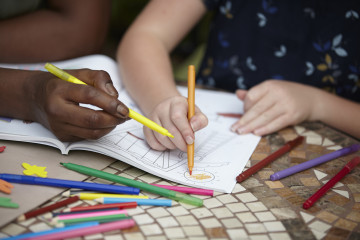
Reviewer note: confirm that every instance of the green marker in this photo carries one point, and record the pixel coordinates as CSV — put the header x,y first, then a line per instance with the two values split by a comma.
x,y
99,219
6,202
178,196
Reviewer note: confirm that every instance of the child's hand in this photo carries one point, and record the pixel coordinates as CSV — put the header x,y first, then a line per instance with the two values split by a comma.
x,y
172,115
57,105
274,104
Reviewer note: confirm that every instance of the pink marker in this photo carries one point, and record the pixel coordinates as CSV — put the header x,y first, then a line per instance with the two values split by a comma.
x,y
90,214
105,227
187,190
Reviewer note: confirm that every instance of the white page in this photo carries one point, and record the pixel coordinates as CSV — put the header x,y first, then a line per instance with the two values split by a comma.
x,y
220,155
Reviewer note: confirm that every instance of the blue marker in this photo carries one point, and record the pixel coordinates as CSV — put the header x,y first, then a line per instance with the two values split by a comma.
x,y
55,230
14,178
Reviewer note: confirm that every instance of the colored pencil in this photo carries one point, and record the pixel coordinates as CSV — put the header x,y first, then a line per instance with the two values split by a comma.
x,y
272,157
49,208
342,173
102,207
191,113
150,202
232,115
54,182
105,227
314,162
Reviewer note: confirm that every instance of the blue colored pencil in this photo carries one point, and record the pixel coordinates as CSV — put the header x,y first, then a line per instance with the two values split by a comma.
x,y
14,178
140,201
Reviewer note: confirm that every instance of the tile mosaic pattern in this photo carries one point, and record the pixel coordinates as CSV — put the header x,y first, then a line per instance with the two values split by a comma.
x,y
257,208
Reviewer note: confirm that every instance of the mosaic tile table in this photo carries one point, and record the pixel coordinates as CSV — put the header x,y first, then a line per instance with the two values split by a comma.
x,y
257,208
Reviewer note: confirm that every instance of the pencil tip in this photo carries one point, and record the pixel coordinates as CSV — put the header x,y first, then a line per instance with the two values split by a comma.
x,y
62,163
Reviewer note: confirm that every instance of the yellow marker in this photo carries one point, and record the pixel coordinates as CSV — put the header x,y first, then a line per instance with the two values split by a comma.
x,y
91,196
132,114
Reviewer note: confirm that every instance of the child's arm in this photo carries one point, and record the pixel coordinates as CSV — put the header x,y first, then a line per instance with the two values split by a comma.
x,y
63,29
273,105
41,97
145,66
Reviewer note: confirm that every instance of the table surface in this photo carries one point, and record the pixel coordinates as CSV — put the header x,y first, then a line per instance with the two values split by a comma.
x,y
257,208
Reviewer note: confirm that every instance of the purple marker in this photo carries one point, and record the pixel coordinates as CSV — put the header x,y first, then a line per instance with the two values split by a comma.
x,y
314,162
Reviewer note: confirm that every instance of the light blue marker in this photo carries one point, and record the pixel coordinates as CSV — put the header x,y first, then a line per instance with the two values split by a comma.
x,y
140,201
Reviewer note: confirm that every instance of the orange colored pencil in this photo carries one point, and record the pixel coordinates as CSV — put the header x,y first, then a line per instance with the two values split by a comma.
x,y
191,112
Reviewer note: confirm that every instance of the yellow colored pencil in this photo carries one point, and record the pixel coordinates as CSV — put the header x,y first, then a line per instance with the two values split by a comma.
x,y
191,113
132,114
91,196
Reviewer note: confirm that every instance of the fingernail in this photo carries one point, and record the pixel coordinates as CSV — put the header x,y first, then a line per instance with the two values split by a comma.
x,y
189,140
240,130
110,89
194,125
123,111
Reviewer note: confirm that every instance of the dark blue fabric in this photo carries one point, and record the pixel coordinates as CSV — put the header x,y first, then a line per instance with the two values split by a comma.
x,y
315,42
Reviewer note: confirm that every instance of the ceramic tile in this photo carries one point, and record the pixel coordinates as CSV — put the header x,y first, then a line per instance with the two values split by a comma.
x,y
345,224
226,198
256,206
280,236
94,236
265,216
342,192
212,203
260,237
231,223
246,217
193,231
283,213
201,212
188,220
168,222
310,182
319,175
274,184
158,212
174,233
327,216
113,237
320,226
151,229
274,226
237,207
265,174
148,178
222,212
178,211
210,223
143,219
13,229
353,216
237,234
133,236
255,228
246,197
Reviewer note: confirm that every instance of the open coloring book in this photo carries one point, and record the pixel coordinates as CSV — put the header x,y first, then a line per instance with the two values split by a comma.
x,y
220,155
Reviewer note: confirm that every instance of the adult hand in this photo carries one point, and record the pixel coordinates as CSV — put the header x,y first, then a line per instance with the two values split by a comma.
x,y
275,104
172,115
56,105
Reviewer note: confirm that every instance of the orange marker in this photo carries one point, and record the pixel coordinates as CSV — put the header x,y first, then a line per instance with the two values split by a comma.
x,y
191,112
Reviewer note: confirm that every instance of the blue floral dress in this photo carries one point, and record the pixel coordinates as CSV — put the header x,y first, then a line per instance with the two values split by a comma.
x,y
314,42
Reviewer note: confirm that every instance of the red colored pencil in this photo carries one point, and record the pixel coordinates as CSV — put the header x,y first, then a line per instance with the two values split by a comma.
x,y
103,206
47,208
342,173
284,149
232,115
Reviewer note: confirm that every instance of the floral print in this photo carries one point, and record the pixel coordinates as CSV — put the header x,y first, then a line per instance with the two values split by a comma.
x,y
315,42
